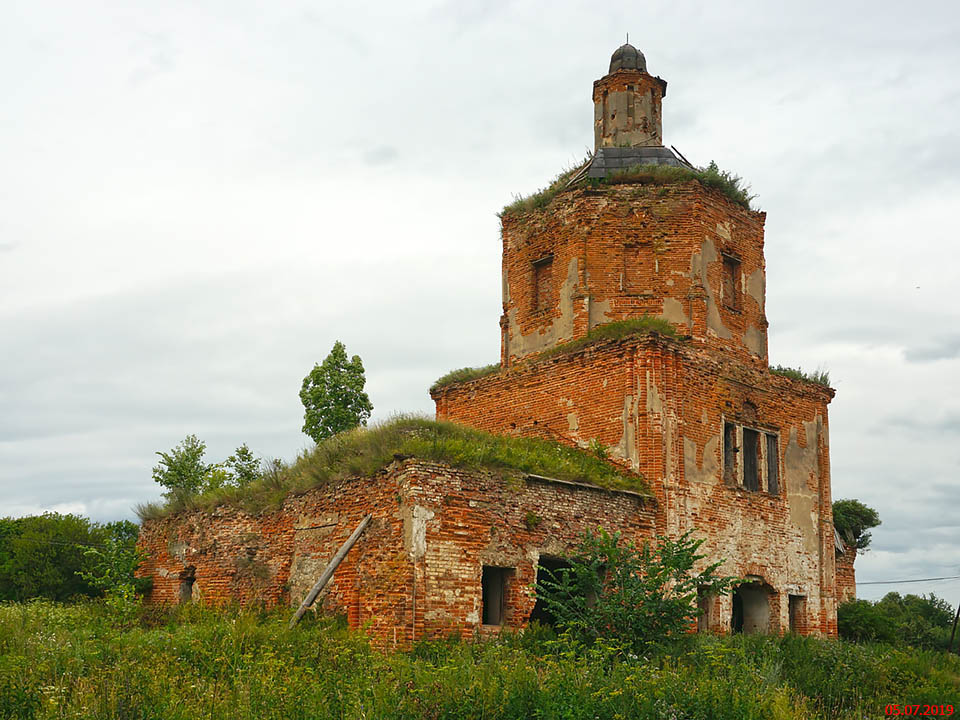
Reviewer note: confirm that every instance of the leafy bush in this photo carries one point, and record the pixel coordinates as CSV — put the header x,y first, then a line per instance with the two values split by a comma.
x,y
637,596
183,471
914,620
818,377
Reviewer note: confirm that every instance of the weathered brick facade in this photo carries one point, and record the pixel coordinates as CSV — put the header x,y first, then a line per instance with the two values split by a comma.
x,y
416,571
731,450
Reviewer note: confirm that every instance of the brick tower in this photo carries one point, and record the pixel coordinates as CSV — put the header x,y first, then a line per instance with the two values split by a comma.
x,y
636,238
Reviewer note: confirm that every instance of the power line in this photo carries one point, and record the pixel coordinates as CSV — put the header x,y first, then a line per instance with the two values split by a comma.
x,y
898,582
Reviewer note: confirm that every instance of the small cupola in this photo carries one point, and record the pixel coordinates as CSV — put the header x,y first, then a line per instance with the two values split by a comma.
x,y
627,57
627,125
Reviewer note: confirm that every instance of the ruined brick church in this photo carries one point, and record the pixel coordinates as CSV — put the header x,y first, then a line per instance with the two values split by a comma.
x,y
729,449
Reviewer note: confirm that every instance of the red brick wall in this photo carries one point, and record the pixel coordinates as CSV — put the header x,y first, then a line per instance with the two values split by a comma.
x,y
846,576
627,250
659,406
416,571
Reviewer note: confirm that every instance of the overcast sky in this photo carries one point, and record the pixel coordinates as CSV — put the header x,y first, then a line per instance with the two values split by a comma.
x,y
198,198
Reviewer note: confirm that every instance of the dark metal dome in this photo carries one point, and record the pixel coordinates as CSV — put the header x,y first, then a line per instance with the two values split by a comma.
x,y
627,57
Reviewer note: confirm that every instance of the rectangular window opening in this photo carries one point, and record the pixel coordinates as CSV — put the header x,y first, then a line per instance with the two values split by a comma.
x,y
773,465
751,459
731,278
798,612
494,591
730,453
704,608
187,578
543,283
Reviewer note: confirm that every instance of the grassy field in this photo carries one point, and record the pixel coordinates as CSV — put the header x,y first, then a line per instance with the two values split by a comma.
x,y
73,661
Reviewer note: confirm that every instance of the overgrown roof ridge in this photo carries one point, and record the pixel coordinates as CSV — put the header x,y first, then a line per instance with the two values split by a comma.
x,y
730,184
363,452
643,325
818,377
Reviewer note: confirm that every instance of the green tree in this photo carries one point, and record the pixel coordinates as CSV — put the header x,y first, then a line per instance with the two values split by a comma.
x,y
616,590
41,556
333,397
184,472
111,568
853,520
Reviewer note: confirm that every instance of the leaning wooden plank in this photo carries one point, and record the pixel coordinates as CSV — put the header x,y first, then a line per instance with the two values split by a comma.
x,y
328,572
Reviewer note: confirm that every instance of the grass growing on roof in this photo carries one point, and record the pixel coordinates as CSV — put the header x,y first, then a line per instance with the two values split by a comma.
x,y
465,375
730,184
365,451
614,331
818,376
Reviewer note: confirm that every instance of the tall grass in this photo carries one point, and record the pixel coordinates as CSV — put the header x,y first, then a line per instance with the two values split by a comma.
x,y
363,452
71,662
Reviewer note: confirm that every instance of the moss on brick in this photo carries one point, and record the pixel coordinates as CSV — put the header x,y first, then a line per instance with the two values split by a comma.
x,y
364,452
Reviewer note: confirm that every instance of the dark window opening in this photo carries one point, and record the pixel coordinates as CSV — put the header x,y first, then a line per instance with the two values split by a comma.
x,y
494,584
773,465
730,453
704,607
542,283
751,609
187,579
798,611
550,568
751,459
731,278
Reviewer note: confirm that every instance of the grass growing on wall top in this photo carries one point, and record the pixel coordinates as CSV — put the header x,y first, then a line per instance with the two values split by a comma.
x,y
464,375
730,184
819,377
614,331
363,452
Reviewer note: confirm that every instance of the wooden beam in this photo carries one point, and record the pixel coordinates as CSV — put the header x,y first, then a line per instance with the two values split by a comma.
x,y
328,572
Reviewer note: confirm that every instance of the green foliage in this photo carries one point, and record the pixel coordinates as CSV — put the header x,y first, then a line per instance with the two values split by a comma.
x,y
642,325
636,596
818,376
333,397
73,661
731,185
362,452
111,568
542,197
914,620
853,520
43,556
184,472
464,375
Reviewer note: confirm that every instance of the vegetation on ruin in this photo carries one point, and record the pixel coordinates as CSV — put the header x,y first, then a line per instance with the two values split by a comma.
x,y
643,325
729,184
818,376
629,594
73,661
363,452
854,520
464,375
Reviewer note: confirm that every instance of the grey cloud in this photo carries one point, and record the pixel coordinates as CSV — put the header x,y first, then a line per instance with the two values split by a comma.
x,y
944,348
